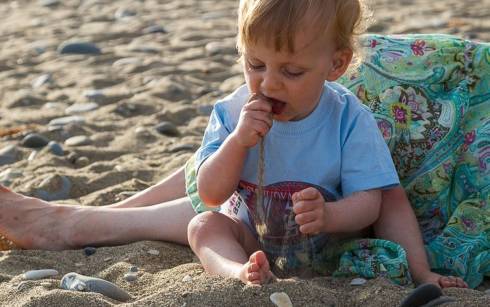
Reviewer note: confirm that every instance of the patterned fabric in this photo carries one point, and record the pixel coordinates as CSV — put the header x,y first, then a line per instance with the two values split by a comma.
x,y
431,99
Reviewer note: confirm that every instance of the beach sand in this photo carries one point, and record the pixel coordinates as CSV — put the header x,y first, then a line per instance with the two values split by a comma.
x,y
162,63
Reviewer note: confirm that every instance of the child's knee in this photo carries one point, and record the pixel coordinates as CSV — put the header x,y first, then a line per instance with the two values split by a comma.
x,y
204,224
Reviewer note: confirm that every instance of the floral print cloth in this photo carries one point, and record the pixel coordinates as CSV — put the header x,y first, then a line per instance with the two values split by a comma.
x,y
430,95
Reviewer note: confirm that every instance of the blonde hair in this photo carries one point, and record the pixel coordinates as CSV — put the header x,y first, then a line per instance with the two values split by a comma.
x,y
277,21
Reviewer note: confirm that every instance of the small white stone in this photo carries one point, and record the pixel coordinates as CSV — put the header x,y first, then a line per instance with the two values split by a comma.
x,y
281,299
487,292
107,259
187,278
78,264
46,284
153,252
39,274
130,276
358,282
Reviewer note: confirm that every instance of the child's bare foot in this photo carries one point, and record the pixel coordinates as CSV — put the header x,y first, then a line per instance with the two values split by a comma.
x,y
444,281
256,271
32,223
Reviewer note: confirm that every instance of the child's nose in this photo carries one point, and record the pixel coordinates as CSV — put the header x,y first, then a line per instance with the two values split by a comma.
x,y
270,82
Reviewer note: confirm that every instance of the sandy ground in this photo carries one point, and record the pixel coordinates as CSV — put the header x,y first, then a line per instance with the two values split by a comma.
x,y
141,80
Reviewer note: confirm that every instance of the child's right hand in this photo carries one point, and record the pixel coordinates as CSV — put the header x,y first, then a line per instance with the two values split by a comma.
x,y
255,121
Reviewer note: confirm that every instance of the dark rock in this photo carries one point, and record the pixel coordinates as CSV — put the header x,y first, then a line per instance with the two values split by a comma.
x,y
421,295
89,250
167,128
154,29
56,148
9,154
78,48
34,140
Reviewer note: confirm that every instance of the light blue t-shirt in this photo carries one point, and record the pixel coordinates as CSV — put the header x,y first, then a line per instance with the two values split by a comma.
x,y
337,149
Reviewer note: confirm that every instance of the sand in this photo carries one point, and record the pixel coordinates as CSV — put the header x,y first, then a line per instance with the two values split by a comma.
x,y
140,80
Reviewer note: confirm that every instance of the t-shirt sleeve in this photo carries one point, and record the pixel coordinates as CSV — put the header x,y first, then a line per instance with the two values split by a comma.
x,y
215,134
366,159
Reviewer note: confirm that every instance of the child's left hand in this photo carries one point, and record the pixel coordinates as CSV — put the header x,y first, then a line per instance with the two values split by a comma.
x,y
309,207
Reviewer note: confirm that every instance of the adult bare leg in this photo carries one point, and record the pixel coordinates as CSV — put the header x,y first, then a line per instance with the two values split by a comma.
x,y
32,223
396,211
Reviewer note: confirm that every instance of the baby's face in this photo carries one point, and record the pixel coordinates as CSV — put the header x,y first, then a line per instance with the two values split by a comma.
x,y
296,79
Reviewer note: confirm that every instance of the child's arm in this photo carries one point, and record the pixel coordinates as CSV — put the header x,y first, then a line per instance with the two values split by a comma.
x,y
350,214
219,175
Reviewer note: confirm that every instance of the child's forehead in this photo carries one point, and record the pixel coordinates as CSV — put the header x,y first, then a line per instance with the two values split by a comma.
x,y
305,42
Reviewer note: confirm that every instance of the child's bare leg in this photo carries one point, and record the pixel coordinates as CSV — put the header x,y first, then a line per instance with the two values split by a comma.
x,y
396,211
227,248
32,223
169,188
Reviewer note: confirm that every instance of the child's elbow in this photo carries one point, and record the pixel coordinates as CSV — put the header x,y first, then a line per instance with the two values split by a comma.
x,y
209,201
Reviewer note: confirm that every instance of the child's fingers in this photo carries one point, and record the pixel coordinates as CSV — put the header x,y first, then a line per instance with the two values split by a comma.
x,y
259,105
306,217
310,228
306,194
262,116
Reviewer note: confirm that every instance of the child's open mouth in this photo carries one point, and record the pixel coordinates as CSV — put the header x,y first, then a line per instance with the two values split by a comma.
x,y
277,105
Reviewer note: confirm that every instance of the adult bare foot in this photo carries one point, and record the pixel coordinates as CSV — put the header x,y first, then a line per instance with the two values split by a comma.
x,y
256,271
444,281
32,223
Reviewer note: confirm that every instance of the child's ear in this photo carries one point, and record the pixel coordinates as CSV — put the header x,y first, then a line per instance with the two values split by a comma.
x,y
340,63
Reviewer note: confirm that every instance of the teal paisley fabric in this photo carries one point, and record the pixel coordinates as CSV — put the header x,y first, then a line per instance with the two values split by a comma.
x,y
430,95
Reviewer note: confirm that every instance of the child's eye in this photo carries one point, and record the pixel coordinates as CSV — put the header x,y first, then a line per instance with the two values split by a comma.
x,y
293,74
255,66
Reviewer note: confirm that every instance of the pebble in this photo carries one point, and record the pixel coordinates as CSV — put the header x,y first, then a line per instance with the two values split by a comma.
x,y
281,299
74,47
358,282
62,121
107,259
9,154
79,140
421,295
39,274
130,277
79,264
167,128
53,105
153,252
22,285
133,269
205,109
34,140
182,147
46,284
89,250
32,155
55,187
56,148
94,95
78,282
122,13
187,278
41,80
82,161
154,29
213,48
8,175
487,292
49,3
81,108
127,61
